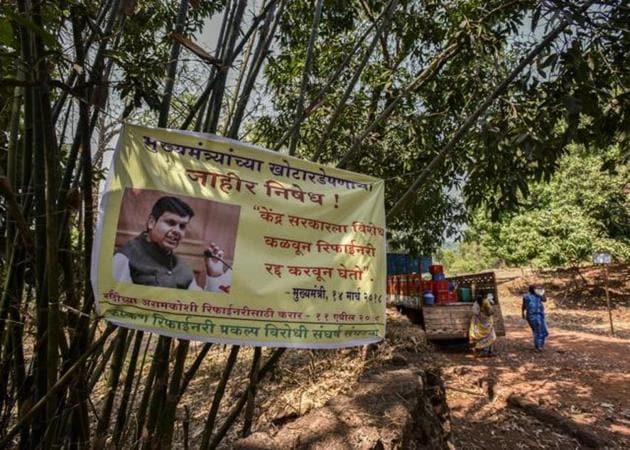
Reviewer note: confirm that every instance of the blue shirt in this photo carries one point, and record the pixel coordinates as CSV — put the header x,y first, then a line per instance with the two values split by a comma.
x,y
533,304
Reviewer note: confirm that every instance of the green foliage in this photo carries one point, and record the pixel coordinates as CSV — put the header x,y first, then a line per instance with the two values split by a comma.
x,y
418,125
575,92
49,39
582,209
145,46
466,257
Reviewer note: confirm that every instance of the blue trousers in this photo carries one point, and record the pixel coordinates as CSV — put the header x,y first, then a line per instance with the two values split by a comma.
x,y
539,329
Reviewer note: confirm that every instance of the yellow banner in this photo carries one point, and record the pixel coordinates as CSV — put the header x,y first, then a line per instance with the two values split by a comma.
x,y
210,239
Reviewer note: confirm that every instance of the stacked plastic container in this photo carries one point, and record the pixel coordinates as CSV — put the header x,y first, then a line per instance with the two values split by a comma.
x,y
406,287
441,286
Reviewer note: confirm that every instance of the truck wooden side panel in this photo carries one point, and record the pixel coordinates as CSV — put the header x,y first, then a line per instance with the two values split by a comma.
x,y
451,321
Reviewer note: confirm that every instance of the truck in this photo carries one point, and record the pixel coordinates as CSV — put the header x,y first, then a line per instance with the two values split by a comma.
x,y
449,320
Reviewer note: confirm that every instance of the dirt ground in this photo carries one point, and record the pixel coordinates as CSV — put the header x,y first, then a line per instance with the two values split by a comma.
x,y
583,373
302,381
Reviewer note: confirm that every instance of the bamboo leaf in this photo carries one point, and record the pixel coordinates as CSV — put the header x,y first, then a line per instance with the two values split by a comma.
x,y
47,37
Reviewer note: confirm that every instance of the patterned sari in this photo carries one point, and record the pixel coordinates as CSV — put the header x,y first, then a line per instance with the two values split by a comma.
x,y
481,333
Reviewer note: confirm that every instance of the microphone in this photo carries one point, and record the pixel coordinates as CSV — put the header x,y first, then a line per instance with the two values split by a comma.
x,y
208,254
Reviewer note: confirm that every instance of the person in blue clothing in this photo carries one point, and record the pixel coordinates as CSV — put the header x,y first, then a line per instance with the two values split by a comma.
x,y
534,311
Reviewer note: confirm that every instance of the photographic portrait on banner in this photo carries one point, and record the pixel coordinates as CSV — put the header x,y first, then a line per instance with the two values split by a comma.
x,y
175,241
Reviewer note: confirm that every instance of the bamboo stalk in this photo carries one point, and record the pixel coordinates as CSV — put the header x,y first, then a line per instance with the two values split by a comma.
x,y
218,396
146,396
192,370
102,38
251,393
299,110
213,79
61,383
166,423
223,51
49,155
115,370
201,103
19,166
19,372
78,422
80,430
15,213
267,32
96,77
139,381
216,100
121,417
41,298
237,89
66,120
12,289
160,387
6,398
186,427
97,369
172,64
14,129
238,406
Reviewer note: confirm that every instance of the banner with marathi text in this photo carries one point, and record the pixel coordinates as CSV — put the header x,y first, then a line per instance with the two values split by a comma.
x,y
206,238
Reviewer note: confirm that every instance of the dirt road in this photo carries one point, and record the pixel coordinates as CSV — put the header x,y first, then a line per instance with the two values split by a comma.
x,y
582,376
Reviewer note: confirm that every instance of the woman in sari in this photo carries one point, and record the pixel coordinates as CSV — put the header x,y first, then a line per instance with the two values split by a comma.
x,y
481,333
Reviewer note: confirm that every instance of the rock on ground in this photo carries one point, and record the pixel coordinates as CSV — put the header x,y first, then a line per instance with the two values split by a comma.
x,y
391,408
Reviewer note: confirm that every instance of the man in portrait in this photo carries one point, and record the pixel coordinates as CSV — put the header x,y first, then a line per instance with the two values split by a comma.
x,y
149,258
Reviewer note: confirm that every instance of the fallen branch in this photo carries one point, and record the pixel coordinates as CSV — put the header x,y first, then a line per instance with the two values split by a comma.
x,y
555,419
452,388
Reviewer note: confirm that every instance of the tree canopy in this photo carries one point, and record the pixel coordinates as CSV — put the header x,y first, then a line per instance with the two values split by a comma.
x,y
427,68
583,208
